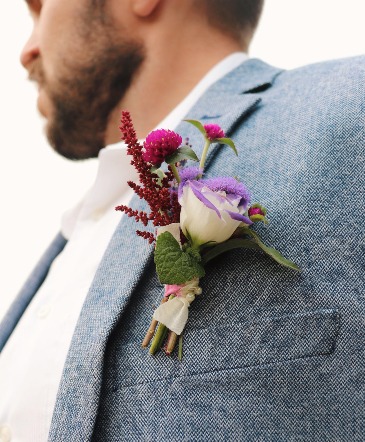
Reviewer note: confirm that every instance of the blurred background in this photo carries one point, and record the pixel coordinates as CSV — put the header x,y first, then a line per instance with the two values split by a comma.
x,y
37,185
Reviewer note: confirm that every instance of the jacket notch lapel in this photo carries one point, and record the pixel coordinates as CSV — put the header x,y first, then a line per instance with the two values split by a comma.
x,y
230,101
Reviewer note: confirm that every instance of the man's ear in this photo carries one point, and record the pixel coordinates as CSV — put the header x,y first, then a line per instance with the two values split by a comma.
x,y
144,8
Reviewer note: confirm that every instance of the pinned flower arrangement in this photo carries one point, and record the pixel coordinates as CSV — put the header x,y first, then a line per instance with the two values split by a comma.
x,y
195,219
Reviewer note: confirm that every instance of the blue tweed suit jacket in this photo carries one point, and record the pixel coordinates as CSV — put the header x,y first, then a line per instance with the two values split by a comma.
x,y
270,354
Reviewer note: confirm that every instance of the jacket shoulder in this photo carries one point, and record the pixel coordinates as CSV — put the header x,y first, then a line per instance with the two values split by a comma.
x,y
342,74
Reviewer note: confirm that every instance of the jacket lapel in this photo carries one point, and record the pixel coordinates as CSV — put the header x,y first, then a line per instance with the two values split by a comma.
x,y
226,103
235,111
116,278
230,101
29,289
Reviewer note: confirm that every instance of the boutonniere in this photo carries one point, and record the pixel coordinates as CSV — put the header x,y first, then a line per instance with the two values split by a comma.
x,y
195,219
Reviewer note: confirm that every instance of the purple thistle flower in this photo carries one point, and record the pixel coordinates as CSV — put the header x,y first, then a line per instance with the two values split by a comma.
x,y
232,187
213,131
159,144
190,173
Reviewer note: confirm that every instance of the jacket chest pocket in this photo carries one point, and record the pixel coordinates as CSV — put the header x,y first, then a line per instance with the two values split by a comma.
x,y
224,347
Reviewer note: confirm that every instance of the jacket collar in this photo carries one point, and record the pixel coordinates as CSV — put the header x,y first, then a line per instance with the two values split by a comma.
x,y
227,103
230,101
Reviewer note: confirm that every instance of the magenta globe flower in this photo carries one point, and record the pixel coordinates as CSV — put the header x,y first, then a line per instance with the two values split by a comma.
x,y
213,132
159,144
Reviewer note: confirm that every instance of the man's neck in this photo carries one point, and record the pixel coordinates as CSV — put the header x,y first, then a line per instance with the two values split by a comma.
x,y
164,81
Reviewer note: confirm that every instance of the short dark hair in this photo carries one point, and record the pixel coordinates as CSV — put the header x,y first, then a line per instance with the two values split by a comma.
x,y
236,17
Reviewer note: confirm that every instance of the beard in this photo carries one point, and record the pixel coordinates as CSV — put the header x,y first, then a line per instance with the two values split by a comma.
x,y
85,93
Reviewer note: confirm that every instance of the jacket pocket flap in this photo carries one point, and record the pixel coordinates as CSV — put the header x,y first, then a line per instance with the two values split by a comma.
x,y
246,344
265,341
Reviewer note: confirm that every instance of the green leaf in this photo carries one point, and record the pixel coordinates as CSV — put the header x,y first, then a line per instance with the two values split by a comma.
x,y
254,243
198,125
182,153
229,142
173,265
231,244
277,256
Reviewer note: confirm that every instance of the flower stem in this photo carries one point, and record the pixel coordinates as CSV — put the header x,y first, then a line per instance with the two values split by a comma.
x,y
204,154
158,338
175,172
161,333
180,352
171,341
149,334
151,329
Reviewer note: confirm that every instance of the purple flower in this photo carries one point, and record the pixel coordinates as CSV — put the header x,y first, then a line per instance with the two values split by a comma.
x,y
212,209
231,187
213,131
190,173
159,144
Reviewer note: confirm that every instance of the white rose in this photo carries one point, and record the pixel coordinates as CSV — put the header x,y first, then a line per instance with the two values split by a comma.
x,y
211,210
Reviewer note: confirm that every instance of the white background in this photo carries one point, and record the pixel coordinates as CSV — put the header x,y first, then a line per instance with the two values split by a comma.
x,y
37,185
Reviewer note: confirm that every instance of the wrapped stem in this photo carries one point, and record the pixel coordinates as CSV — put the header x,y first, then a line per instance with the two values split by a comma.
x,y
161,333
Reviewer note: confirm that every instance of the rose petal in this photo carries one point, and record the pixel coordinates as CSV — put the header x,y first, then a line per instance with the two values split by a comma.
x,y
202,198
238,217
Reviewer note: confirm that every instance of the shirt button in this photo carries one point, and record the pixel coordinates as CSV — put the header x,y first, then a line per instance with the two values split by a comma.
x,y
5,435
43,312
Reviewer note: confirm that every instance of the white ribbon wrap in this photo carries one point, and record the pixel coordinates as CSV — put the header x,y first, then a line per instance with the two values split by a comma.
x,y
173,313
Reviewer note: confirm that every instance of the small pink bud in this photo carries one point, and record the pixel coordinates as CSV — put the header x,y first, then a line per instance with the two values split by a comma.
x,y
257,213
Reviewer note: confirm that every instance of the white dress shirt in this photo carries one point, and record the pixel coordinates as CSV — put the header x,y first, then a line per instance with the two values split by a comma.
x,y
32,361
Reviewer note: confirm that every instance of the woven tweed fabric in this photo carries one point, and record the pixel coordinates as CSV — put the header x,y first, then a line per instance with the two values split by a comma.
x,y
269,354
